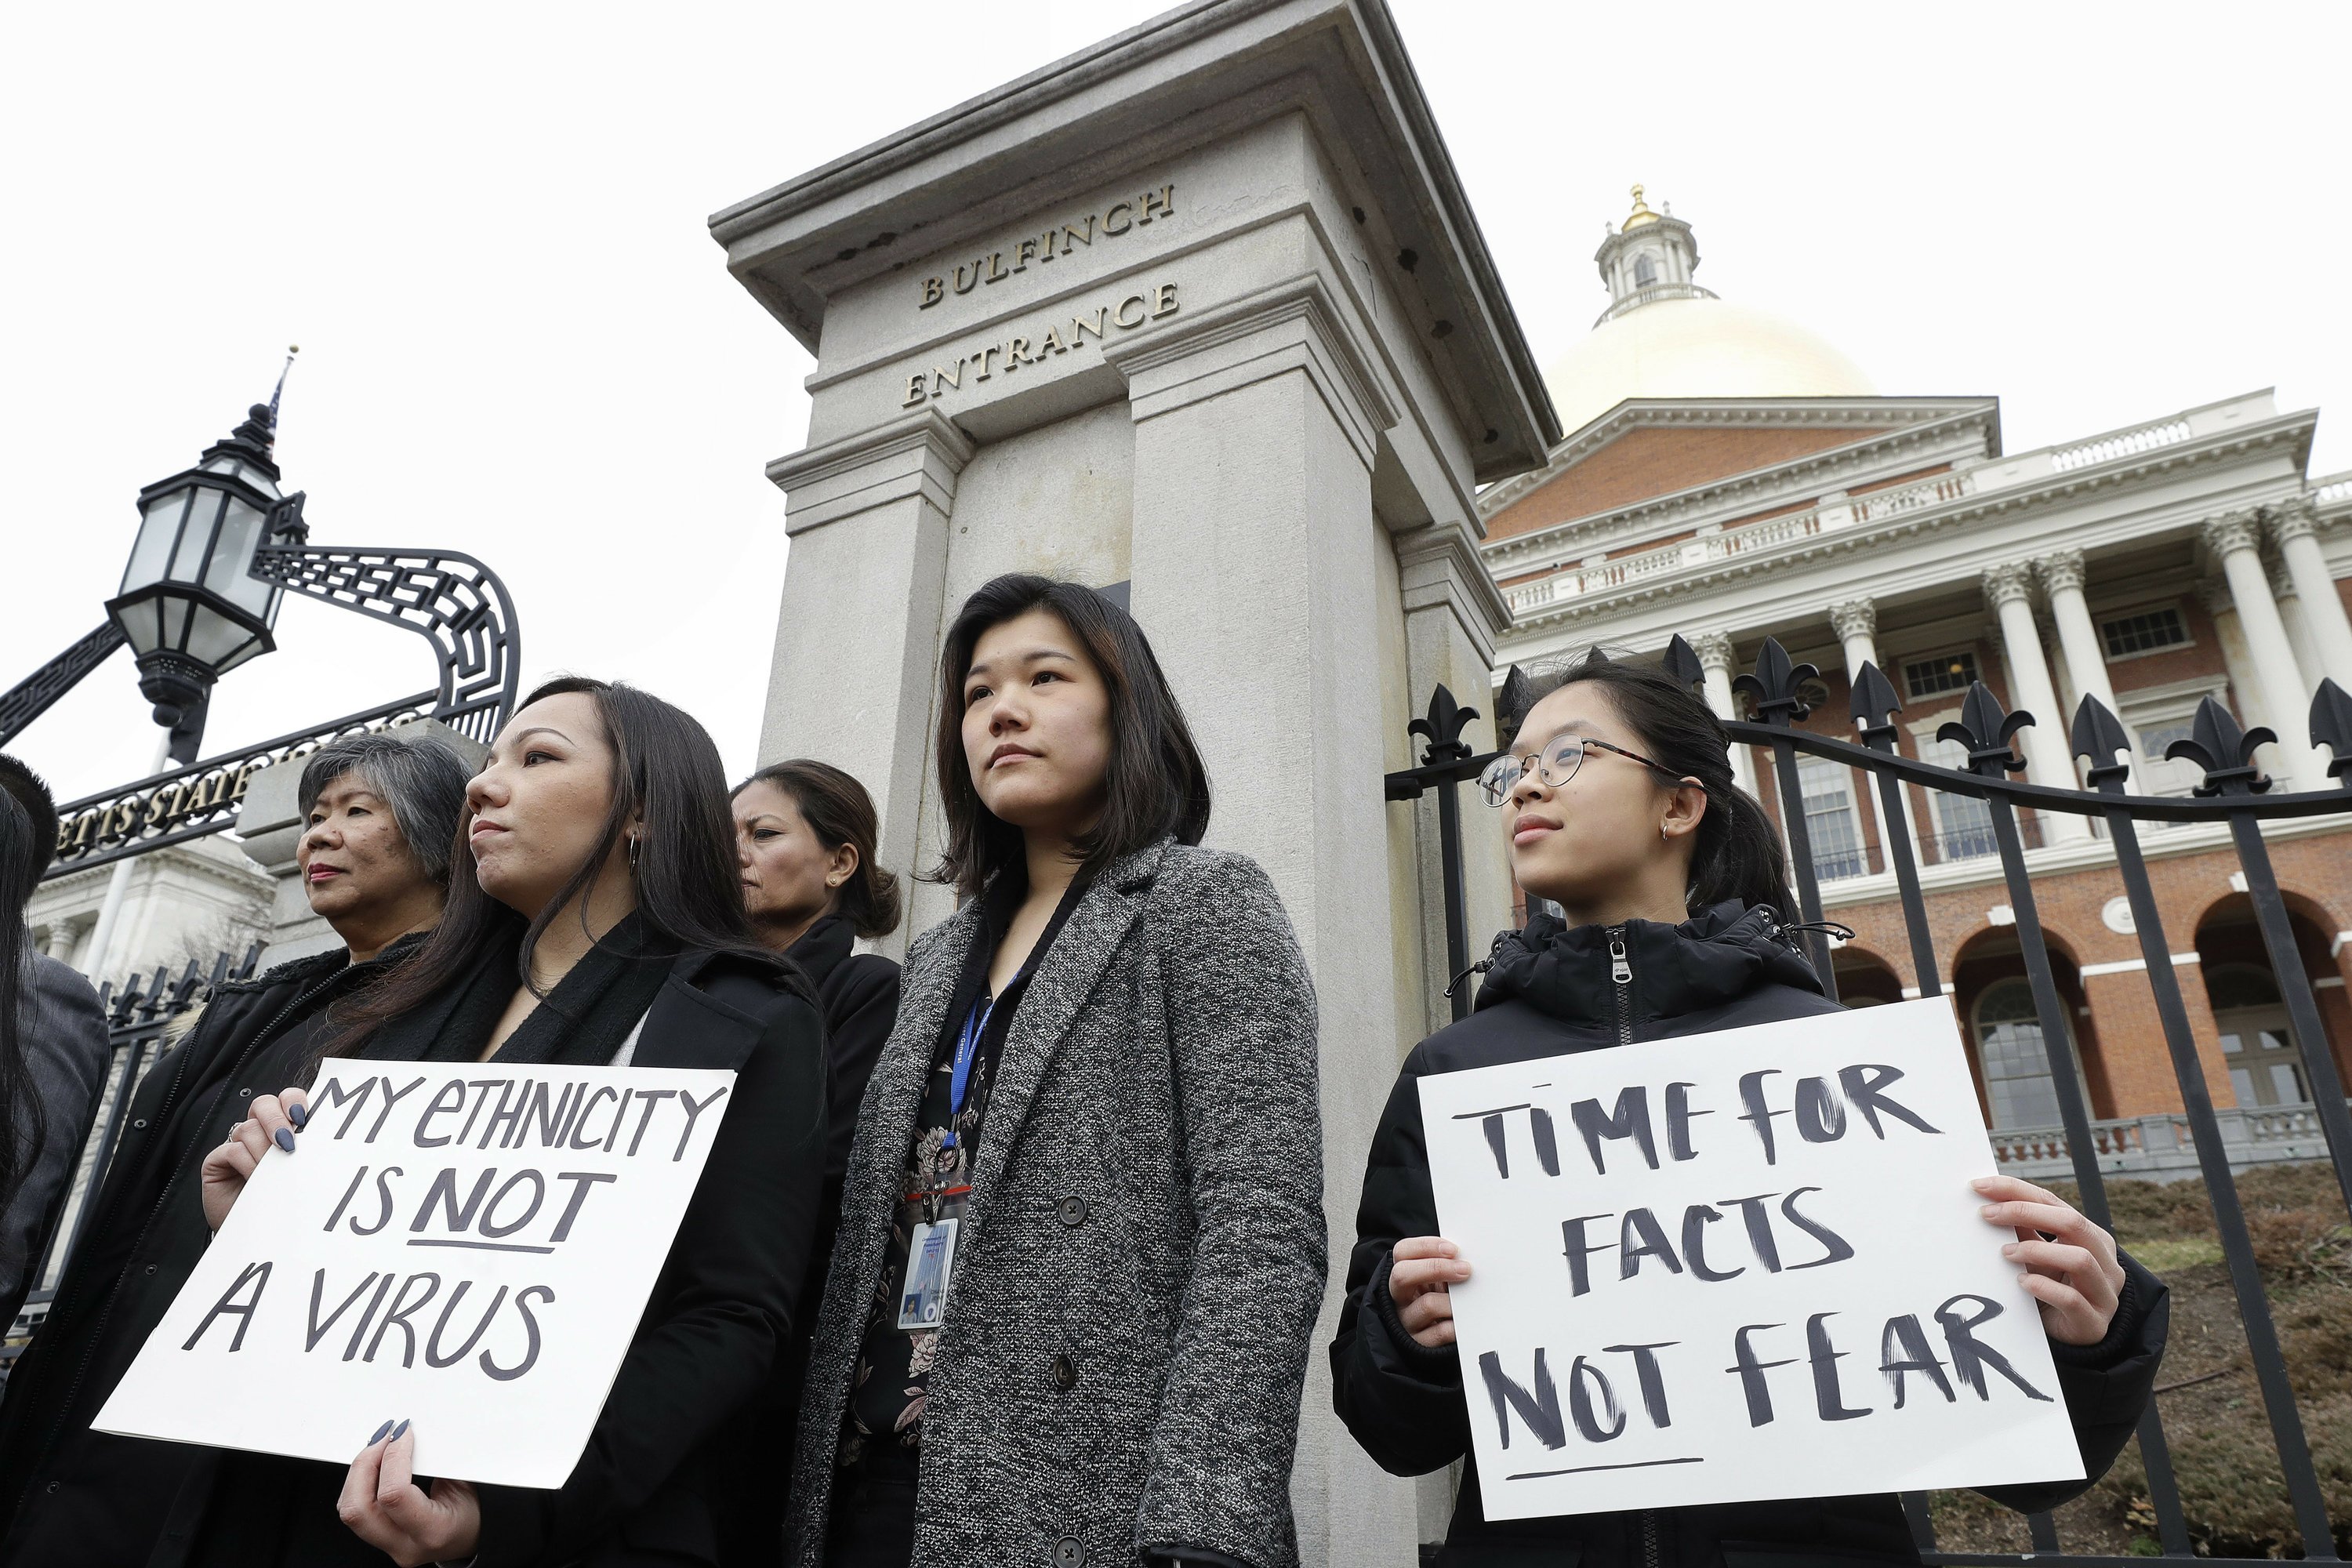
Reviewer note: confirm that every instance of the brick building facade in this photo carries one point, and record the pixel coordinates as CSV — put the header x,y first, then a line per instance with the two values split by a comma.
x,y
2189,556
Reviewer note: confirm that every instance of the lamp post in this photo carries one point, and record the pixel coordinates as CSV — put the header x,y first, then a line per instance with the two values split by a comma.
x,y
190,607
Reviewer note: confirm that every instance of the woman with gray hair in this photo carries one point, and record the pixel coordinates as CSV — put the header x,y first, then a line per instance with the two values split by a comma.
x,y
382,814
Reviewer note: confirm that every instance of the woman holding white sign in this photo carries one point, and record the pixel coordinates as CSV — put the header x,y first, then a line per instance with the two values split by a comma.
x,y
1081,1242
603,923
379,814
1618,795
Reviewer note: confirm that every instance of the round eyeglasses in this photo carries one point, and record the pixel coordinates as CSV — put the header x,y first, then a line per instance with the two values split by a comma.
x,y
1556,764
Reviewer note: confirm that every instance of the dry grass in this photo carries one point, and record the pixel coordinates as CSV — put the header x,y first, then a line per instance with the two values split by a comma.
x,y
2233,1492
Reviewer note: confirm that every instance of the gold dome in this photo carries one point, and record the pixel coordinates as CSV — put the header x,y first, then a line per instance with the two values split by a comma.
x,y
1697,348
1640,214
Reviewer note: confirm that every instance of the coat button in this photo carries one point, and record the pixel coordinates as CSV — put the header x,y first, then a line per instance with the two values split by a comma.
x,y
1069,1552
150,1269
1066,1373
1073,1211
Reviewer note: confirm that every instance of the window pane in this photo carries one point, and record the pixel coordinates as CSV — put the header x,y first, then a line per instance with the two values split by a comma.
x,y
2286,1084
2139,633
2231,1044
1945,672
1830,821
2243,1082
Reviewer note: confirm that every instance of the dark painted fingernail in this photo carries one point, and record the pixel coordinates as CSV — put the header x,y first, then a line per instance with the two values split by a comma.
x,y
398,1430
285,1136
297,1115
379,1434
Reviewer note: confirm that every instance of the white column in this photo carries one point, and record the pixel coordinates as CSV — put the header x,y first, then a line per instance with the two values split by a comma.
x,y
868,520
2299,636
1856,623
2296,528
2236,539
59,944
2009,587
1259,567
1715,657
2078,639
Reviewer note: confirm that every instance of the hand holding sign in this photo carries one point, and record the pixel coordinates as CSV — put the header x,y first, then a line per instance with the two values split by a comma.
x,y
383,1506
1686,1255
271,1120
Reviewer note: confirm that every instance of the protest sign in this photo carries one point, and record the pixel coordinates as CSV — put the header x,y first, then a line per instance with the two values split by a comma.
x,y
1738,1265
466,1246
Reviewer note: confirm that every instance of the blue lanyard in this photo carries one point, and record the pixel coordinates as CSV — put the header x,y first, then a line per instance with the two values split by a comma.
x,y
975,1023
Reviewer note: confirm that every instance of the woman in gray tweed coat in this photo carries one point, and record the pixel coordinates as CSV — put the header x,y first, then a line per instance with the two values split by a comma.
x,y
1082,1240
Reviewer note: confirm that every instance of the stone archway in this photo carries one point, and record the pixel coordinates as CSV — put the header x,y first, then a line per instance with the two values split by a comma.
x,y
2250,1015
2007,1052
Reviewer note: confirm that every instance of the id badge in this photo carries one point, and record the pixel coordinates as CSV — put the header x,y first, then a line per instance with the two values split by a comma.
x,y
931,1263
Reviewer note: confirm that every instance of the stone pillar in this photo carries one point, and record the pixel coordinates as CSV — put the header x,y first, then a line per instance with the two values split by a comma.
x,y
868,520
1716,658
1856,623
1200,310
1257,562
2294,526
2235,539
2009,588
61,940
2299,634
2078,637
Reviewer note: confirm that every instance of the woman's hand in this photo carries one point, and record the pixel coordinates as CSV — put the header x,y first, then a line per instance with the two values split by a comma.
x,y
2075,1274
272,1119
1424,1270
386,1508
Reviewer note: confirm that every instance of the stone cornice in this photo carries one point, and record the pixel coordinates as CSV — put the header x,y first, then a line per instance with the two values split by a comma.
x,y
1292,326
920,454
2161,465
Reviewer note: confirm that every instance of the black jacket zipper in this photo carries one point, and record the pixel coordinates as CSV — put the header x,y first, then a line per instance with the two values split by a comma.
x,y
1620,975
1621,972
171,1184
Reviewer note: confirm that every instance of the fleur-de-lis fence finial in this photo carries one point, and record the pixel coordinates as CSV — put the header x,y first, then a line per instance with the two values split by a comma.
x,y
1777,685
1683,664
2099,738
1984,727
1873,704
2331,726
2224,751
1442,728
1519,695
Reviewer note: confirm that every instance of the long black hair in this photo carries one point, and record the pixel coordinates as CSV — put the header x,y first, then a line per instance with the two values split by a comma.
x,y
689,885
1739,853
838,811
1156,787
28,842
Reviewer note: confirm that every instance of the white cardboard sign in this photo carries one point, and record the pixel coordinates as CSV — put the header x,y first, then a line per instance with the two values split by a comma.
x,y
1738,1266
467,1247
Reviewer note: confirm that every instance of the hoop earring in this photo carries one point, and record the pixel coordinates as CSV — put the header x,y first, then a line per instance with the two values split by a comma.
x,y
1661,833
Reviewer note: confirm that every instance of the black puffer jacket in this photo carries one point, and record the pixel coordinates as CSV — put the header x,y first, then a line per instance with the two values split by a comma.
x,y
1550,992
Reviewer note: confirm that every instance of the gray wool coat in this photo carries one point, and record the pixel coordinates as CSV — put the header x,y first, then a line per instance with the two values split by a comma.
x,y
1161,1072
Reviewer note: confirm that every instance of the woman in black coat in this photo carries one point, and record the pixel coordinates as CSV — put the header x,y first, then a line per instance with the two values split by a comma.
x,y
603,924
1620,806
805,834
380,817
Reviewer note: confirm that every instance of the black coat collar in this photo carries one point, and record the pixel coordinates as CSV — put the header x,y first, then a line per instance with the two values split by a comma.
x,y
1709,959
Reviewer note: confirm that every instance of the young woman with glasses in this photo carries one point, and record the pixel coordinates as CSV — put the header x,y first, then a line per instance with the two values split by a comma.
x,y
1617,795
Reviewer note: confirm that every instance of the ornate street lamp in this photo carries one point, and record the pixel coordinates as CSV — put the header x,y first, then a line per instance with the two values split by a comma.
x,y
190,606
219,546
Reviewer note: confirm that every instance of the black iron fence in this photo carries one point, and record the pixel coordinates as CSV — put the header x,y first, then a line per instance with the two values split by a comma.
x,y
139,1018
2004,817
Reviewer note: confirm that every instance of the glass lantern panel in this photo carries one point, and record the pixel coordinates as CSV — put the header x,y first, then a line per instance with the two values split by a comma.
x,y
240,535
159,525
214,637
196,535
174,614
140,625
258,480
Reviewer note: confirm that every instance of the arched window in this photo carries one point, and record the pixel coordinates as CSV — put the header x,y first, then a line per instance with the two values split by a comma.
x,y
2010,1049
1645,271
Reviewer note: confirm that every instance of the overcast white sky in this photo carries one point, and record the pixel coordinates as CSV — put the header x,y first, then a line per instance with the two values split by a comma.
x,y
484,225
